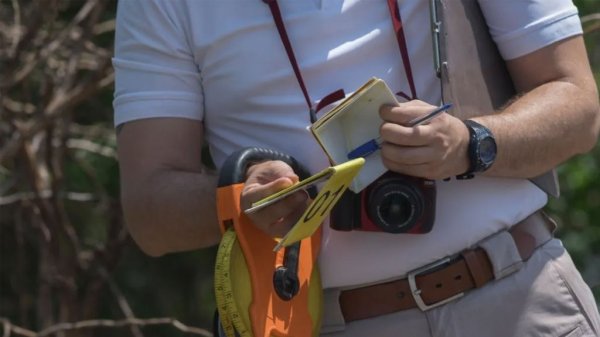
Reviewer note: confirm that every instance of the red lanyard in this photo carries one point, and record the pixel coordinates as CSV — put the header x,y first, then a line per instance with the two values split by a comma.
x,y
339,94
399,30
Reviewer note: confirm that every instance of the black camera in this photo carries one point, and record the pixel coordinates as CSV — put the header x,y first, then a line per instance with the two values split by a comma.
x,y
394,203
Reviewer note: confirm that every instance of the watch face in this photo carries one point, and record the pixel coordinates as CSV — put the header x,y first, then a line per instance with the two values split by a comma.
x,y
487,150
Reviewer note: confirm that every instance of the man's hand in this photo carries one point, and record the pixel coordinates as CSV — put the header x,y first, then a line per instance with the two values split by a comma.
x,y
267,178
435,150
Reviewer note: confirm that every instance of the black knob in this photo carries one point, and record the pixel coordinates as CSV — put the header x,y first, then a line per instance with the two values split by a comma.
x,y
285,278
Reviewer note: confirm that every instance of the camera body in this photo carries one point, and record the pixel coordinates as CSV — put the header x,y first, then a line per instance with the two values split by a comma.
x,y
394,203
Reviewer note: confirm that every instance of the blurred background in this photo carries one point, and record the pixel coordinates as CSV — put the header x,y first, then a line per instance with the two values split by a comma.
x,y
65,256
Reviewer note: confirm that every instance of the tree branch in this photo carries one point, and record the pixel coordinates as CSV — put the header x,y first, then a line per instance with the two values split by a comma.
x,y
102,323
121,300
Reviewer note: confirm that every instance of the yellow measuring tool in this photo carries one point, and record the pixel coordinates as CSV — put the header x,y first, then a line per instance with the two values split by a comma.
x,y
233,291
231,319
261,292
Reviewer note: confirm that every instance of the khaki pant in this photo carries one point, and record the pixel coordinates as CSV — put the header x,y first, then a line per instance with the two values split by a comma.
x,y
544,296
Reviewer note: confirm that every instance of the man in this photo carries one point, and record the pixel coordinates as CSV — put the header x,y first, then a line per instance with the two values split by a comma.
x,y
190,71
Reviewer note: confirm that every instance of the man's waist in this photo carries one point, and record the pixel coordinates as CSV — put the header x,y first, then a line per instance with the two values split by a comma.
x,y
446,279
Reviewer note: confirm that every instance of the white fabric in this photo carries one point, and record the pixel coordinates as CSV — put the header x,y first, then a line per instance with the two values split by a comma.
x,y
222,62
539,23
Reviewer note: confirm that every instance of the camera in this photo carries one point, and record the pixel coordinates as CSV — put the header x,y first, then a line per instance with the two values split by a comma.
x,y
394,203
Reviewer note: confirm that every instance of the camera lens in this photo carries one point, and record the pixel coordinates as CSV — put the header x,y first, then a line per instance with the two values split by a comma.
x,y
395,206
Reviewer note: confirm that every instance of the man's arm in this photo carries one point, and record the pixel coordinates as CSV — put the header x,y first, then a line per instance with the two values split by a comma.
x,y
555,116
168,201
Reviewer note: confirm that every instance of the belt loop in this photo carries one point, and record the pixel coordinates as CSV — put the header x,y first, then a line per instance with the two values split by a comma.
x,y
333,319
479,269
503,254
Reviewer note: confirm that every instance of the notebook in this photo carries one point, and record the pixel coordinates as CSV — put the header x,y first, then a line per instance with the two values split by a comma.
x,y
354,122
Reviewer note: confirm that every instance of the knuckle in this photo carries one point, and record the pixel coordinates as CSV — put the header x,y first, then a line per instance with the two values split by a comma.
x,y
386,130
438,138
385,152
391,161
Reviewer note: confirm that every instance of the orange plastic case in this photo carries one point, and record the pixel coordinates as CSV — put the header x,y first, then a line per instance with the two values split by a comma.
x,y
268,314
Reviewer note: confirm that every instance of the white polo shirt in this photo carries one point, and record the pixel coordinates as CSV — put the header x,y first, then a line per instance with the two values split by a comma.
x,y
223,63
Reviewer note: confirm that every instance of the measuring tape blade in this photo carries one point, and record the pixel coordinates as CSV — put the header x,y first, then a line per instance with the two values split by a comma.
x,y
231,285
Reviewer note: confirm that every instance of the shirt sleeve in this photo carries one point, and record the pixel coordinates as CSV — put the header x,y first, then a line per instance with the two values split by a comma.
x,y
520,27
155,72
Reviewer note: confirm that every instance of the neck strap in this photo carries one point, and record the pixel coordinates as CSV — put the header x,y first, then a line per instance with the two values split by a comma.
x,y
401,39
339,94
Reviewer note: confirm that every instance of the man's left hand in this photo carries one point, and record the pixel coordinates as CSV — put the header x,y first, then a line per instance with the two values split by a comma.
x,y
435,150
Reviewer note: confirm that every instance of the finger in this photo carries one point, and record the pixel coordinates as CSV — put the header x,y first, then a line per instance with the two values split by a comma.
x,y
281,227
254,192
406,136
405,112
271,215
407,155
268,171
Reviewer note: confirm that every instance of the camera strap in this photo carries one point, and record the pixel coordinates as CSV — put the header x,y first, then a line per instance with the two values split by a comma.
x,y
339,94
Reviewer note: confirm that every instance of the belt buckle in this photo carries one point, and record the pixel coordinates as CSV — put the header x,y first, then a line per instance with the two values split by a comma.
x,y
416,292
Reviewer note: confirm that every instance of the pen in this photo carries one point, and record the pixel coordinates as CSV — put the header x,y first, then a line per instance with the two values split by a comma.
x,y
429,116
375,144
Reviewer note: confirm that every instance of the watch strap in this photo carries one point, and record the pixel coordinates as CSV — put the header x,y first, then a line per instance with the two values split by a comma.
x,y
477,133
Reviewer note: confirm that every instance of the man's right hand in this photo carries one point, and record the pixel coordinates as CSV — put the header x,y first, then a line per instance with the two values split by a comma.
x,y
264,179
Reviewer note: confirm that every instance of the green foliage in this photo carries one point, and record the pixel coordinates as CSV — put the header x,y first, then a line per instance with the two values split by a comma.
x,y
587,6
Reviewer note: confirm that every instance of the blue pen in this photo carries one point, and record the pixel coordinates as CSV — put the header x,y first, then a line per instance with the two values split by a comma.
x,y
375,144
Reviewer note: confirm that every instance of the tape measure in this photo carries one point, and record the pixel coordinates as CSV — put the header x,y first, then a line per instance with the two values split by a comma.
x,y
262,291
230,274
234,297
248,286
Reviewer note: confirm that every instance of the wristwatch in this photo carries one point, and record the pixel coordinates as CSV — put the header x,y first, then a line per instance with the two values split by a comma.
x,y
482,149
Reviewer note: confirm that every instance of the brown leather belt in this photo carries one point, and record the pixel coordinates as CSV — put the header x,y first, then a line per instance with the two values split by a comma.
x,y
444,280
